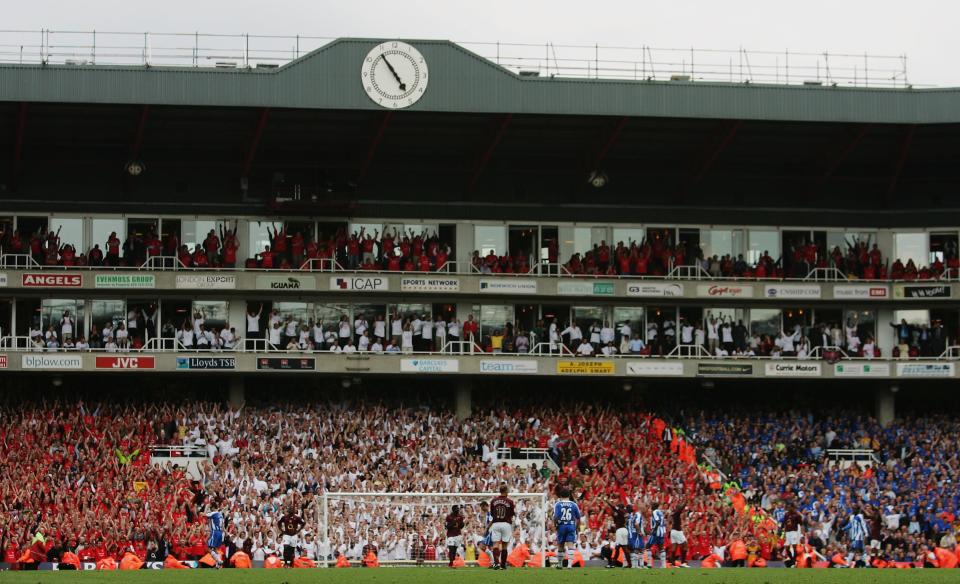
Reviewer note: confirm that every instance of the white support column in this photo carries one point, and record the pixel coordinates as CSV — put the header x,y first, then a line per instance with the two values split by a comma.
x,y
464,405
885,404
465,244
237,392
886,334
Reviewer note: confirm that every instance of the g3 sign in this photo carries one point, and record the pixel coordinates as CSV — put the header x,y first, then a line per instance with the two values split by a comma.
x,y
394,75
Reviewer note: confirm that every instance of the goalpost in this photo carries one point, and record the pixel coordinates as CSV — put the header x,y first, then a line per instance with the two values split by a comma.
x,y
391,521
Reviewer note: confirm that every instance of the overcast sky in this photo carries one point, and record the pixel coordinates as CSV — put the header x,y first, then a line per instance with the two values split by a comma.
x,y
923,29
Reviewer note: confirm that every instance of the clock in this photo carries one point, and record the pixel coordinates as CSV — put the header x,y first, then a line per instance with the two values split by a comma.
x,y
394,75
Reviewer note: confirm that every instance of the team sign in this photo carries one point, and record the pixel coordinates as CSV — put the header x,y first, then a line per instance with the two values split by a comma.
x,y
51,280
359,283
586,367
206,362
125,362
508,366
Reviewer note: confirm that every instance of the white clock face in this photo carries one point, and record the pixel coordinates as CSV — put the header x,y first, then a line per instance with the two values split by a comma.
x,y
394,75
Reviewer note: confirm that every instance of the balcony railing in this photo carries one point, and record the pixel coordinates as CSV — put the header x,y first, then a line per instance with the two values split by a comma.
x,y
685,272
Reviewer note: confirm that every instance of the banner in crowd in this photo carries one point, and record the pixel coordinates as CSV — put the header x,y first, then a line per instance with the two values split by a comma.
x,y
286,283
658,368
124,362
580,288
508,366
124,281
206,281
51,361
359,283
51,280
654,290
586,367
925,370
287,363
724,291
508,286
429,365
429,284
206,362
861,370
922,291
792,369
791,291
724,369
861,291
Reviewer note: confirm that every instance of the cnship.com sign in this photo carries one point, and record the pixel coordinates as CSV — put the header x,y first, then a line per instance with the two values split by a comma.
x,y
51,362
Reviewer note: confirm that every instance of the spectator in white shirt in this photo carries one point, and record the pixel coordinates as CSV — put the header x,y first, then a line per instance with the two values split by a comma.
x,y
585,348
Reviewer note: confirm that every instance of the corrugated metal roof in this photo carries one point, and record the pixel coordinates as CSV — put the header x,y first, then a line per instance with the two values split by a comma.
x,y
329,78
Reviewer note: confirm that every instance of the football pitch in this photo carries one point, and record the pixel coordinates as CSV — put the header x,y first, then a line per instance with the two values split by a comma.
x,y
483,576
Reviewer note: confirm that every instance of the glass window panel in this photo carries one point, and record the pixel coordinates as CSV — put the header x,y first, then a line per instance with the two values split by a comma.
x,y
495,317
628,234
581,240
761,241
300,311
108,311
911,246
52,311
102,228
257,237
490,239
214,311
843,239
631,316
914,317
431,229
716,242
71,232
765,321
368,228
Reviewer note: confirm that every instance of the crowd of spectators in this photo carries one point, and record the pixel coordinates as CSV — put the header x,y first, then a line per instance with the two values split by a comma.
x,y
80,475
390,251
658,256
895,509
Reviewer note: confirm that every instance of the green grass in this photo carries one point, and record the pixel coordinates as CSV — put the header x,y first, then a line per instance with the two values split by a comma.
x,y
481,576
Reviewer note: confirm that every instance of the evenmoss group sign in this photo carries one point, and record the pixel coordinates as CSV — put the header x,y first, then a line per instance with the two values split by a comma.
x,y
125,281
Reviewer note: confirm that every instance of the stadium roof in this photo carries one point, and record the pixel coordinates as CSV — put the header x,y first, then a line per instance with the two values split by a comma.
x,y
462,81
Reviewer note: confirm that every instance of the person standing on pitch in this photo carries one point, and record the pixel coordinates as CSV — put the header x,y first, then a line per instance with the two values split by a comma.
x,y
566,518
503,510
454,526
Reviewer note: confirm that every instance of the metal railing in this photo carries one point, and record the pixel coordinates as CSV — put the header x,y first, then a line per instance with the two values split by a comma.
x,y
593,61
684,272
14,343
856,455
177,451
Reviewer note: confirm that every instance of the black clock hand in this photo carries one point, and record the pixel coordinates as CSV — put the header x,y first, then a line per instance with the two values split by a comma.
x,y
403,86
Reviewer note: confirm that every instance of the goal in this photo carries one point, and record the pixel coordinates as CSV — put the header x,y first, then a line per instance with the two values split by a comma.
x,y
408,528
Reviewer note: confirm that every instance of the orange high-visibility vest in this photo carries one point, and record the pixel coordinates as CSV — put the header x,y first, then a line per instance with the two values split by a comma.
x,y
172,563
578,559
342,561
620,557
738,550
207,561
272,562
303,562
459,563
130,561
483,559
536,560
241,560
518,556
107,563
70,559
945,558
711,561
838,559
759,562
371,560
26,558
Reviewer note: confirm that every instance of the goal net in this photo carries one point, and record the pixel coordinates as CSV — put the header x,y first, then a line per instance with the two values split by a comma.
x,y
409,528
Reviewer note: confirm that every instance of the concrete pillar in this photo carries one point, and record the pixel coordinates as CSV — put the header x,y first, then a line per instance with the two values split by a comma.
x,y
465,246
884,401
886,334
464,401
237,392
